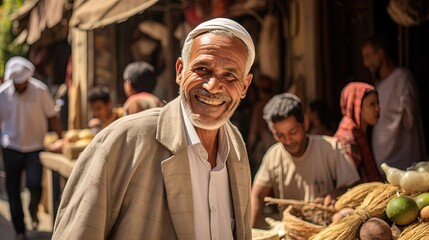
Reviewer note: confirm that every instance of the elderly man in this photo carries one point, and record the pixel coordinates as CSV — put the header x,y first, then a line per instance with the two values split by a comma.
x,y
25,107
177,172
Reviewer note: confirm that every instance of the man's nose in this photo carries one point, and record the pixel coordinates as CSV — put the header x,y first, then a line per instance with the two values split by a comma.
x,y
285,140
213,85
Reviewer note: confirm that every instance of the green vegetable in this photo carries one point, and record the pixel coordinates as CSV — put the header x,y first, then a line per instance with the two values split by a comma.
x,y
402,210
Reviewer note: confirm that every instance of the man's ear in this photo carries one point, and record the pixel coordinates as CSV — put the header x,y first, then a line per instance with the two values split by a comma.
x,y
246,83
179,69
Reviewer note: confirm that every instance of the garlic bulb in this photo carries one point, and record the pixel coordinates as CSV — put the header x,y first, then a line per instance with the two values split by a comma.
x,y
393,175
411,181
422,167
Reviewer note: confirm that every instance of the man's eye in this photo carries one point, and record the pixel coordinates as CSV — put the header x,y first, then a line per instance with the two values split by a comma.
x,y
229,77
201,71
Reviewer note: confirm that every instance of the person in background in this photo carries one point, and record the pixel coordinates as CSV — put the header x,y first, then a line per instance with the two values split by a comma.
x,y
360,109
102,108
139,82
311,168
398,138
319,117
26,107
177,172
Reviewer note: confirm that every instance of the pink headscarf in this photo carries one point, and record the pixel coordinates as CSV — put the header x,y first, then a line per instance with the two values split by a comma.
x,y
350,134
351,100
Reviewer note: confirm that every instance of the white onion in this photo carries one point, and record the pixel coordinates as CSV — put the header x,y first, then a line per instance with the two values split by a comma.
x,y
413,181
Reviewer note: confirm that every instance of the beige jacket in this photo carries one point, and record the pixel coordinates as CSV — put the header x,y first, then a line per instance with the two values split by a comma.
x,y
133,182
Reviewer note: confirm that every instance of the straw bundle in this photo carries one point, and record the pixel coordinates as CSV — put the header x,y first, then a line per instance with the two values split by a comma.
x,y
372,206
416,231
354,196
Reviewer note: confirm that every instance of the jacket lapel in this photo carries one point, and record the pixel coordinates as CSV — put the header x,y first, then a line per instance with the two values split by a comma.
x,y
239,175
177,181
176,171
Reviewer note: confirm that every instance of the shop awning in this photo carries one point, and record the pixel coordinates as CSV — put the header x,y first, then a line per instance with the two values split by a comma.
x,y
37,16
98,13
24,10
47,14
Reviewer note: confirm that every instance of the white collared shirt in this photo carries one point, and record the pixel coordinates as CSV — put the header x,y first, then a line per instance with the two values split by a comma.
x,y
23,116
211,194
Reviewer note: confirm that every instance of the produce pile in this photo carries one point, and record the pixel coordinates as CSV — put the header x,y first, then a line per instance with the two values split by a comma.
x,y
75,141
398,210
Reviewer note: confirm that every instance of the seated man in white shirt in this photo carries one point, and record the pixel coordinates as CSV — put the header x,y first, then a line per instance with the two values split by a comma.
x,y
300,166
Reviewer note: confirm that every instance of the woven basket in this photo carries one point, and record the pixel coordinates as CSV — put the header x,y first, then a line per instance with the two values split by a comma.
x,y
302,219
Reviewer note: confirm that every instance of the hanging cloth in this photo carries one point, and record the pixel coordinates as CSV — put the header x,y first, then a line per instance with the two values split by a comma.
x,y
269,45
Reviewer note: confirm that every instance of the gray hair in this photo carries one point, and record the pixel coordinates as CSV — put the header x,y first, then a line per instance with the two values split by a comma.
x,y
282,106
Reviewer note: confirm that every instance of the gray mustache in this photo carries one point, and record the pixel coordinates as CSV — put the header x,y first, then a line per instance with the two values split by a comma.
x,y
206,94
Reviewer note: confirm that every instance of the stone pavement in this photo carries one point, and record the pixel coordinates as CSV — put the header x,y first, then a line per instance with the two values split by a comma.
x,y
7,232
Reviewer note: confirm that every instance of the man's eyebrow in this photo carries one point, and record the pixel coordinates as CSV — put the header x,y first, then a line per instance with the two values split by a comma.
x,y
200,63
232,70
207,64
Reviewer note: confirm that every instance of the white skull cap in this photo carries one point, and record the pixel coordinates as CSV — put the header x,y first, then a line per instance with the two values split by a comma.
x,y
225,24
18,69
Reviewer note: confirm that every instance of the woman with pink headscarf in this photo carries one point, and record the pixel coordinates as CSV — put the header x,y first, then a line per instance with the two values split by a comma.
x,y
361,110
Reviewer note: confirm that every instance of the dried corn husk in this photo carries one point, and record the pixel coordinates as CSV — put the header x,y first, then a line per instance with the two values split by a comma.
x,y
372,206
416,231
354,196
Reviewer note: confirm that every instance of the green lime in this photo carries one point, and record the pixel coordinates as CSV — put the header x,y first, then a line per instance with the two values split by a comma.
x,y
402,210
422,200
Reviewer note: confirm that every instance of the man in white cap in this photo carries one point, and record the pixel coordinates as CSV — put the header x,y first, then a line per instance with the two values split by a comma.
x,y
26,106
177,172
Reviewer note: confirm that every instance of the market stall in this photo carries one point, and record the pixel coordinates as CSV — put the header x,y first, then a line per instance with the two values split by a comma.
x,y
58,161
397,209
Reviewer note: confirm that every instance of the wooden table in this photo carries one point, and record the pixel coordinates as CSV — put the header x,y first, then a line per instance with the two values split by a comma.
x,y
58,167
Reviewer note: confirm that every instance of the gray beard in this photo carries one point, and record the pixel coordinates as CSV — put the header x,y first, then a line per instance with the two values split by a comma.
x,y
196,119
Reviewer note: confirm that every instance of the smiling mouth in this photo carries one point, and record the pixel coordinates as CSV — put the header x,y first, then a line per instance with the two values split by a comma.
x,y
212,102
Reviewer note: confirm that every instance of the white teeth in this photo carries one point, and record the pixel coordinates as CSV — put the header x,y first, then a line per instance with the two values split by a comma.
x,y
214,102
